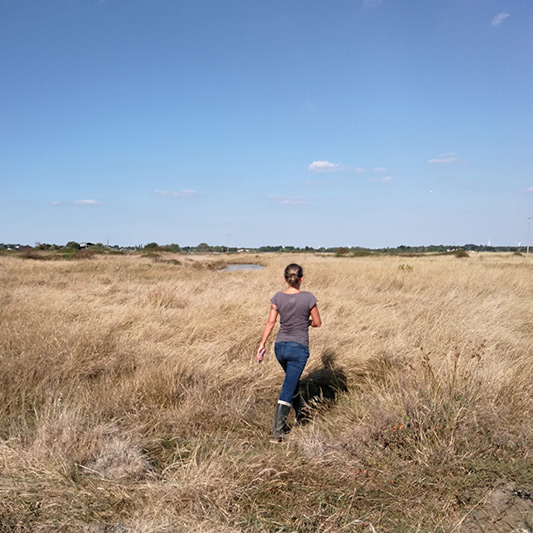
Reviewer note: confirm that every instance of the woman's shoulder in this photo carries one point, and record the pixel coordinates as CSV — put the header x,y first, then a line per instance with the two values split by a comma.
x,y
309,298
308,294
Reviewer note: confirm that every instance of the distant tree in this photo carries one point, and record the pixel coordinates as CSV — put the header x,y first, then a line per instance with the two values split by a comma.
x,y
73,244
270,248
151,246
202,247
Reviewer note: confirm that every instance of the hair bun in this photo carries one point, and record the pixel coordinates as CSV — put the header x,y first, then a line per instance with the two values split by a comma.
x,y
293,274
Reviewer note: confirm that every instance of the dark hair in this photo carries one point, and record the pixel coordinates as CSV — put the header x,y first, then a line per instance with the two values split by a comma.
x,y
293,274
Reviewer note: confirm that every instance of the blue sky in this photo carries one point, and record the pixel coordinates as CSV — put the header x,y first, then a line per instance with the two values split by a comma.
x,y
353,122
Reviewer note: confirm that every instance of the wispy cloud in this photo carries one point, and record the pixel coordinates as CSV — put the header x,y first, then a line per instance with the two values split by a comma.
x,y
90,203
87,202
380,169
444,159
287,200
316,183
499,18
324,166
185,193
386,179
529,189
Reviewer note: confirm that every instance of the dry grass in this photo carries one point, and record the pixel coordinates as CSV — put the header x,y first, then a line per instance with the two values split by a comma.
x,y
130,400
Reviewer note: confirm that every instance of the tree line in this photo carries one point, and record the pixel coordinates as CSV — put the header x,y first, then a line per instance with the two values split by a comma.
x,y
203,247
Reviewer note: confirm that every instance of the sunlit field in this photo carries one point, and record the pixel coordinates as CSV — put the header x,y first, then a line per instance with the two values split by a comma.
x,y
131,400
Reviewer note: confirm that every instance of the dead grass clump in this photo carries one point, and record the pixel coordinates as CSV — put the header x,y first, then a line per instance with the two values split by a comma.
x,y
66,441
30,253
450,409
118,458
166,300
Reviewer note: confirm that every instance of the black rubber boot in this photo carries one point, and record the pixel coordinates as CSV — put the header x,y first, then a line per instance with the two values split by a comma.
x,y
279,428
300,409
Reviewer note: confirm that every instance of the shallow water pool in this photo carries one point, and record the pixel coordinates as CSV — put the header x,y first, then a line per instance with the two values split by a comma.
x,y
242,266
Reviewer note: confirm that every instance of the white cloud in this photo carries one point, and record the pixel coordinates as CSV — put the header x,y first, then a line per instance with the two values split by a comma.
x,y
529,189
499,18
380,169
185,193
328,166
324,166
287,200
87,202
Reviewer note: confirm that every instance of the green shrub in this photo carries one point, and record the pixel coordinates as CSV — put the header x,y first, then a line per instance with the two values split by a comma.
x,y
405,268
342,252
361,252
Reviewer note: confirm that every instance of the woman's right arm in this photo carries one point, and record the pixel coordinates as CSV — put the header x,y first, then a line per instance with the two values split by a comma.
x,y
269,326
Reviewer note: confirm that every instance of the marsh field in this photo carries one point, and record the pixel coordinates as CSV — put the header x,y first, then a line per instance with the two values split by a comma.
x,y
130,400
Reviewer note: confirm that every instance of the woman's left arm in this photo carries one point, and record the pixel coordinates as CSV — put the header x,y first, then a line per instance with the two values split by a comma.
x,y
316,321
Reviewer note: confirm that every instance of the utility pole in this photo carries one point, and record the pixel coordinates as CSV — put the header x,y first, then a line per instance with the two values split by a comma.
x,y
528,226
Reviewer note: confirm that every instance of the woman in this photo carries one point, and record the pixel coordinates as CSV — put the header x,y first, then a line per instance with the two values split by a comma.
x,y
292,342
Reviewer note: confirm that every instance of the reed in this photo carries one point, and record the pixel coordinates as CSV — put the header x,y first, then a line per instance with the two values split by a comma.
x,y
130,399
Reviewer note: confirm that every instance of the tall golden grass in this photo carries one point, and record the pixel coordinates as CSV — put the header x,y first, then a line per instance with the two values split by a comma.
x,y
130,399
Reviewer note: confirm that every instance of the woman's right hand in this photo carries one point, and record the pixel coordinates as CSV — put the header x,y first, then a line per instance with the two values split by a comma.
x,y
261,353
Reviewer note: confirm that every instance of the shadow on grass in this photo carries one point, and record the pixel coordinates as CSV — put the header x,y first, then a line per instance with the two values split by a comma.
x,y
320,387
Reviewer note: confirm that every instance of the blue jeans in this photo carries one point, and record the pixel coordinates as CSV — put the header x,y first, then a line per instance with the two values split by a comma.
x,y
292,357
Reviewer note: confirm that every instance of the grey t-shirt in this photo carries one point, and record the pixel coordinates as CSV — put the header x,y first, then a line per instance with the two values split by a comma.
x,y
294,312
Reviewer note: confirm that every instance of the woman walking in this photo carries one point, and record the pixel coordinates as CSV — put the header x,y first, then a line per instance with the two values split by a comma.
x,y
292,342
